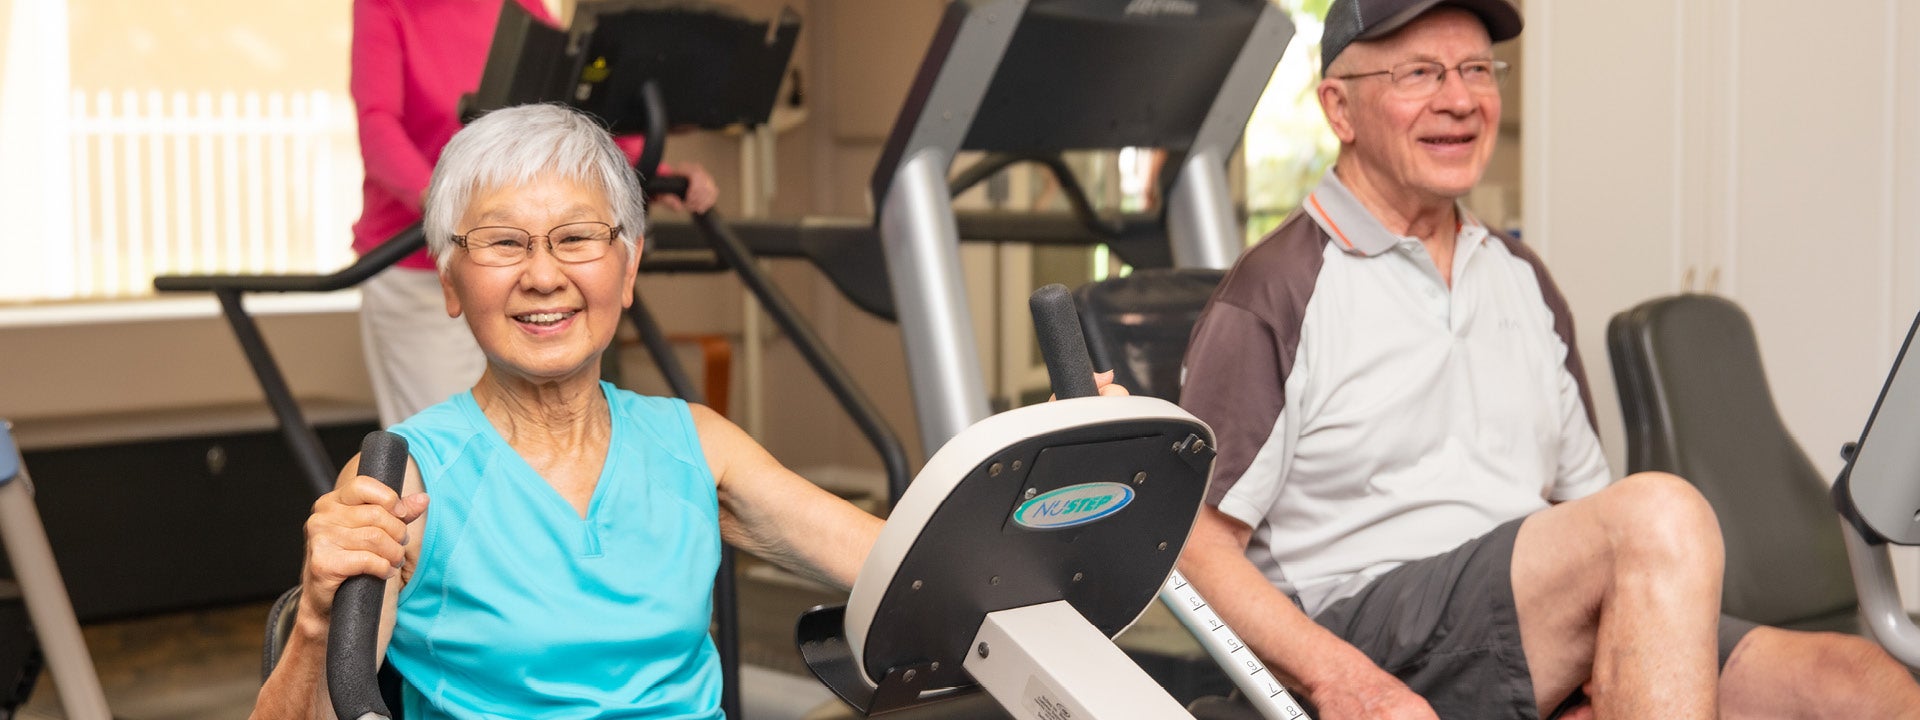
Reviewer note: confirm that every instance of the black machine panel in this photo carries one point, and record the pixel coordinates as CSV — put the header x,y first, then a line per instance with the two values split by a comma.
x,y
527,63
1108,570
1095,74
161,525
714,67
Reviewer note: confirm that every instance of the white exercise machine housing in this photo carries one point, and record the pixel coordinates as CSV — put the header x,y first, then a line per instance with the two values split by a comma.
x,y
1025,544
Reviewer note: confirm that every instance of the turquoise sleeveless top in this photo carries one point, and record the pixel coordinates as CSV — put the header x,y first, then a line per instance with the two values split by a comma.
x,y
520,608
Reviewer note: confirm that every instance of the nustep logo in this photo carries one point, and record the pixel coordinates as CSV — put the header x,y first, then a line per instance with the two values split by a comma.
x,y
1152,8
1073,505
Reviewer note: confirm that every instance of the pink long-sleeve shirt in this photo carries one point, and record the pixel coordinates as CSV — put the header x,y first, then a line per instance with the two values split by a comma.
x,y
412,60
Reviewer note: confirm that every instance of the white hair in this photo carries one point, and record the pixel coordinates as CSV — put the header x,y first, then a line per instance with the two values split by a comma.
x,y
517,145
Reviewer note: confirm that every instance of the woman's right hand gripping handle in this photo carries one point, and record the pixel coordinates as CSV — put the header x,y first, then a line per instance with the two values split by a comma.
x,y
356,543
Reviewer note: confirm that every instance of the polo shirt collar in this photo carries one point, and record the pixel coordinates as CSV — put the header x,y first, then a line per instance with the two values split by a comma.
x,y
1357,231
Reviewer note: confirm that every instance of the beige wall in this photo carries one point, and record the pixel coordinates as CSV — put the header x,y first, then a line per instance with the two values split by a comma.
x,y
1693,147
1710,159
93,369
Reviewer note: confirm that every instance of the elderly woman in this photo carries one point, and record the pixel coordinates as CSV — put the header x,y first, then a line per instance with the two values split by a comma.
x,y
564,566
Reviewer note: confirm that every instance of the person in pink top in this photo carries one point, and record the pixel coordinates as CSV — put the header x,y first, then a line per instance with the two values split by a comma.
x,y
411,62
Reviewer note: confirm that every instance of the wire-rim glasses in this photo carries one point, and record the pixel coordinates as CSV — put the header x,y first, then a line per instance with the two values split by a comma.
x,y
1423,78
504,246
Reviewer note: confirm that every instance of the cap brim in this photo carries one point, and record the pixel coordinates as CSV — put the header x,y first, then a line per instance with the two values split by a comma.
x,y
1500,16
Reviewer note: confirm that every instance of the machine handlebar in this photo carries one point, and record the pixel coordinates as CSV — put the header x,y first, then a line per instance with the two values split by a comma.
x,y
1062,343
352,638
402,244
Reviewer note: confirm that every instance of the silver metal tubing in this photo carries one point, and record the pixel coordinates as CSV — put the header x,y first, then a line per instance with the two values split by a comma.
x,y
1200,222
1880,607
47,602
923,257
1256,683
1046,662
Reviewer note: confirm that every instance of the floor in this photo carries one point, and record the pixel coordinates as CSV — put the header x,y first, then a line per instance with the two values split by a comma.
x,y
205,665
186,666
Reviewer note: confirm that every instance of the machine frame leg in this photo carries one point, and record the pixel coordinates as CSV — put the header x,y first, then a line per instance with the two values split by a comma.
x,y
1046,662
47,602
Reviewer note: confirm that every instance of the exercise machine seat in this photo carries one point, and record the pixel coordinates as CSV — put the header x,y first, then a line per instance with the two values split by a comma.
x,y
1140,324
1695,401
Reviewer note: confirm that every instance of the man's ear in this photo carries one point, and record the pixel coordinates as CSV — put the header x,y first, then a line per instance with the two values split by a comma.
x,y
446,288
1336,104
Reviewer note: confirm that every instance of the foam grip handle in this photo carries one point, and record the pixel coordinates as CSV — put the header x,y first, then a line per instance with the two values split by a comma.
x,y
353,636
674,185
1061,342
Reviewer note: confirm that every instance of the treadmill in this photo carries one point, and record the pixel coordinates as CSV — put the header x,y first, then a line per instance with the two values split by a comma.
x,y
1030,77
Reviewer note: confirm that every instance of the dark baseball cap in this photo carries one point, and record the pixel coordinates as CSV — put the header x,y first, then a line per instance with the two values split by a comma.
x,y
1350,20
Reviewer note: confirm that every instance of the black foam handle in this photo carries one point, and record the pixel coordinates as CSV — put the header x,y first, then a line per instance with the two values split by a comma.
x,y
1061,342
352,638
674,185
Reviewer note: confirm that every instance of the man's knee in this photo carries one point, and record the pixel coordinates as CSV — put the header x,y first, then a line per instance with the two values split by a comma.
x,y
1838,658
1815,675
1658,517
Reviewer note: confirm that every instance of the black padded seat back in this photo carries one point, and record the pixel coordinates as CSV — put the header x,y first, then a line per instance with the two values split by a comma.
x,y
1695,400
1140,324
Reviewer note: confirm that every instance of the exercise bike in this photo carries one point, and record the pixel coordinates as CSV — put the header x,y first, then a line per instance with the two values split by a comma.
x,y
1025,545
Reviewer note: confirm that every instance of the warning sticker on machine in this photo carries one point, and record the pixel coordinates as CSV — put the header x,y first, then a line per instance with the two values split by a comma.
x,y
1045,702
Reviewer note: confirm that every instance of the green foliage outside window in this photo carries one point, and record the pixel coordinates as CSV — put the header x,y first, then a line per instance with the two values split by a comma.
x,y
1288,145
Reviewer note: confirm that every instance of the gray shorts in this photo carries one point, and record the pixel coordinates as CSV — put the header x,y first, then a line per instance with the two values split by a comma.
x,y
1447,627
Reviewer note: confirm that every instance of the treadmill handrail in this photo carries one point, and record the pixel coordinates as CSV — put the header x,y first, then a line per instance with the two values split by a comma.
x,y
383,256
1070,188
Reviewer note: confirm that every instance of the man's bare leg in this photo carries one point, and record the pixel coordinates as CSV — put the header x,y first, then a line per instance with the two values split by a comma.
x,y
1776,673
1620,592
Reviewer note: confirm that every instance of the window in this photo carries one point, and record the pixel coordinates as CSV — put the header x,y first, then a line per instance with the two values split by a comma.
x,y
1288,144
141,138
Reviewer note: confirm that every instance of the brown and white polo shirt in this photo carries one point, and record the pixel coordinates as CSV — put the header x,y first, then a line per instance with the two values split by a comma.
x,y
1368,415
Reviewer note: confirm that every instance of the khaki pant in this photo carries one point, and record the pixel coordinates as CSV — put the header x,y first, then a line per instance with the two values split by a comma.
x,y
416,355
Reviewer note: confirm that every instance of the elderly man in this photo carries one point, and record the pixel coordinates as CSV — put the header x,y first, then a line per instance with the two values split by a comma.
x,y
1410,514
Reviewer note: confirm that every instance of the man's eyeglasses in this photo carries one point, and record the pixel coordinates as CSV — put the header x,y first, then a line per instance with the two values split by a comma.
x,y
500,246
1421,79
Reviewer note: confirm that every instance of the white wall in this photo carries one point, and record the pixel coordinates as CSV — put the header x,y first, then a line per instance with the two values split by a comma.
x,y
1761,149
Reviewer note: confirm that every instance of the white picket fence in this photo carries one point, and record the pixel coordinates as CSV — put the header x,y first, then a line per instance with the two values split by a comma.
x,y
208,183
